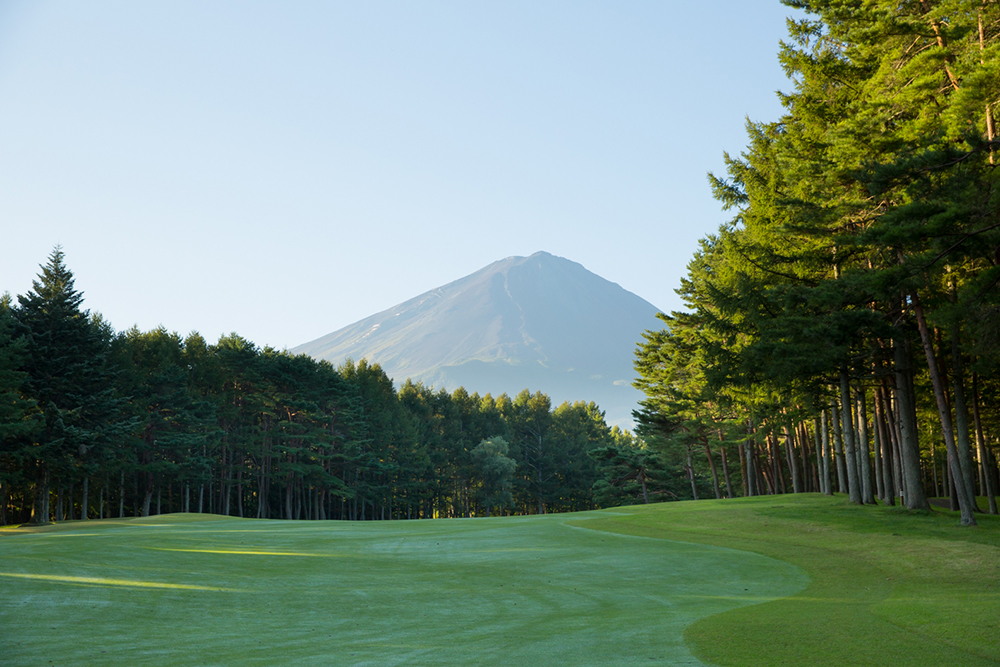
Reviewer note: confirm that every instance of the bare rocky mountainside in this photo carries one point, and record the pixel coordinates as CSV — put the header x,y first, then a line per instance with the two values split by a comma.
x,y
540,322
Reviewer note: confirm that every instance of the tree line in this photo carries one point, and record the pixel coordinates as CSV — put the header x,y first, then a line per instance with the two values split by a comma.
x,y
842,330
96,423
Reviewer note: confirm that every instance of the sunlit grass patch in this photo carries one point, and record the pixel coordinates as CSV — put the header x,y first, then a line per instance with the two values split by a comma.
x,y
98,581
248,553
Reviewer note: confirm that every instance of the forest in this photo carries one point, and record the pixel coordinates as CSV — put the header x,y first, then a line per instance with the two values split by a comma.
x,y
841,334
97,423
842,330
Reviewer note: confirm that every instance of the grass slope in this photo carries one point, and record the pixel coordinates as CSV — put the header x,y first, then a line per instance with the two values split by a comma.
x,y
888,586
195,589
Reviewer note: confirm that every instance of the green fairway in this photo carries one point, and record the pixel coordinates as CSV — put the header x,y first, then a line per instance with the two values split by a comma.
x,y
888,586
805,580
195,589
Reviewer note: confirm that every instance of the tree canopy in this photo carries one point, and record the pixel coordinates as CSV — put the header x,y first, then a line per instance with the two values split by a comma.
x,y
865,237
155,422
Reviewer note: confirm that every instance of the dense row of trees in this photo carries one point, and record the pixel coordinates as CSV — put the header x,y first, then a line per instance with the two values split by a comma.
x,y
842,333
96,423
842,330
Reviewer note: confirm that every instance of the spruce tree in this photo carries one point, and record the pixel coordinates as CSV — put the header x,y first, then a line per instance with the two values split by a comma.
x,y
20,420
71,380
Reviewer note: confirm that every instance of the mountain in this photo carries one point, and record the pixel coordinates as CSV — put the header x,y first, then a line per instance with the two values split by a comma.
x,y
540,322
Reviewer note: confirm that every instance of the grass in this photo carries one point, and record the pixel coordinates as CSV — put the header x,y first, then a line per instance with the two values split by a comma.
x,y
887,586
788,580
196,589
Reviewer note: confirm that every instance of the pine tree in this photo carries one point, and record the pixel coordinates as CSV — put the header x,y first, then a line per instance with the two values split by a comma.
x,y
20,420
70,378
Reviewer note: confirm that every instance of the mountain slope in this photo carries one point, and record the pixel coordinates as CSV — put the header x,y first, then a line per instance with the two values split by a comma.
x,y
541,322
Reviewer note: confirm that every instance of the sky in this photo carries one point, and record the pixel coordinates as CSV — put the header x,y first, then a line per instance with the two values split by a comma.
x,y
282,170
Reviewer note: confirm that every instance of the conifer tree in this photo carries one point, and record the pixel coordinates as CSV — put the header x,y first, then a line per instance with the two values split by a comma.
x,y
69,377
20,420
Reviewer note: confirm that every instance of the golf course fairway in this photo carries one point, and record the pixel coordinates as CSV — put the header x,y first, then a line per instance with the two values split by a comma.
x,y
197,589
771,581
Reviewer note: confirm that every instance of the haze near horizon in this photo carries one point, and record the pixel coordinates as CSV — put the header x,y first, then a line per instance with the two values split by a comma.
x,y
542,323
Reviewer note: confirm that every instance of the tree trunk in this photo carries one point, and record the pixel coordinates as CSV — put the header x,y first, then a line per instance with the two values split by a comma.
x,y
990,131
892,413
774,461
228,486
944,414
826,461
121,496
539,481
260,491
984,456
85,500
147,499
711,465
838,448
239,488
223,502
137,508
694,491
772,472
847,428
743,449
963,442
793,463
877,444
856,430
865,469
953,501
810,483
725,466
40,501
760,483
942,490
885,431
909,448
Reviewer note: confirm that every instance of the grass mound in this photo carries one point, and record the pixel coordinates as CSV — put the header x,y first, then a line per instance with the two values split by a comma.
x,y
887,586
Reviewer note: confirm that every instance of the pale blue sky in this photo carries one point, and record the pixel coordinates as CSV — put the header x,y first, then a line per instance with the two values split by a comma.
x,y
284,169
